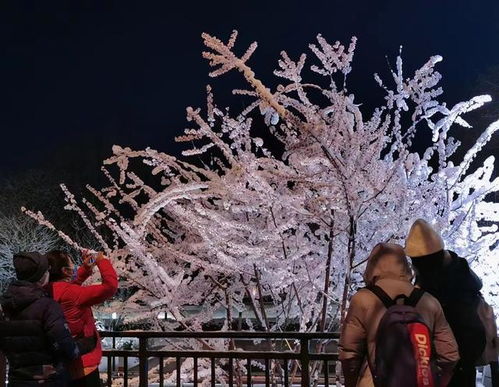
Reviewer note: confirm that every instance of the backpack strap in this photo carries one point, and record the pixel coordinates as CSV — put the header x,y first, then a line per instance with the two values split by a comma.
x,y
381,294
414,297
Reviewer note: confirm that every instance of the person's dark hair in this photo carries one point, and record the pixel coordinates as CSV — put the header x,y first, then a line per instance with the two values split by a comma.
x,y
57,261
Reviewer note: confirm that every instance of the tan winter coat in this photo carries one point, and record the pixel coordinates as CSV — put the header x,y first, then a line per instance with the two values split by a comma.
x,y
360,326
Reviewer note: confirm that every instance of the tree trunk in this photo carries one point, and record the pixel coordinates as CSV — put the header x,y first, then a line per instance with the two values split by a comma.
x,y
348,268
327,279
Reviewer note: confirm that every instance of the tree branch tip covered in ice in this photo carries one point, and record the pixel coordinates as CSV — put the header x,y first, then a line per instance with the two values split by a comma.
x,y
38,216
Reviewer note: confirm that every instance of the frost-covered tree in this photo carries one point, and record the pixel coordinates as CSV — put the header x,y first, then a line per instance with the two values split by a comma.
x,y
19,233
284,230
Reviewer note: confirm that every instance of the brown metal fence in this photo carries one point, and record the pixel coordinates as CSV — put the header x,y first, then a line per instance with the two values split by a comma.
x,y
309,360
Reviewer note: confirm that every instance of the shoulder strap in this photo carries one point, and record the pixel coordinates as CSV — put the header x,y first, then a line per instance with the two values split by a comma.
x,y
381,294
414,297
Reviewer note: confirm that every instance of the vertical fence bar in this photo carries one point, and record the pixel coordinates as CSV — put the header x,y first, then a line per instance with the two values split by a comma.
x,y
231,372
338,374
114,357
143,363
3,369
249,372
213,375
109,376
305,361
267,372
179,372
195,371
326,373
125,371
286,373
161,372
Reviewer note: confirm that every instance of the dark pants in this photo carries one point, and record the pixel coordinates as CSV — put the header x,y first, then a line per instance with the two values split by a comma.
x,y
464,375
494,373
91,380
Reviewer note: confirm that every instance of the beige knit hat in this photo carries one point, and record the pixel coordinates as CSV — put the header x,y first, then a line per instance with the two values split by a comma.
x,y
422,240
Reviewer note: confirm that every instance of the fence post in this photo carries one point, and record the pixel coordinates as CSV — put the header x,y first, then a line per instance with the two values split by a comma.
x,y
143,362
3,370
305,361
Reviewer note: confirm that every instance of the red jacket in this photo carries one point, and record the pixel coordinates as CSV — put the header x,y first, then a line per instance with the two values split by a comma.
x,y
77,301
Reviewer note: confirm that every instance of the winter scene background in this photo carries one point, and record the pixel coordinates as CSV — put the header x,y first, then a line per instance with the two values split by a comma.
x,y
289,227
260,215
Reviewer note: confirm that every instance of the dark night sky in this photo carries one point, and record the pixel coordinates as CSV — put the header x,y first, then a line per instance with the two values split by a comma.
x,y
76,78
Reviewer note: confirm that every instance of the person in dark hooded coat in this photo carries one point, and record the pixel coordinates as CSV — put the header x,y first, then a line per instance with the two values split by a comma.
x,y
34,334
448,277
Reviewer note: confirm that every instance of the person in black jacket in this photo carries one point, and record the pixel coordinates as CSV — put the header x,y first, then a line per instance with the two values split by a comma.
x,y
451,281
34,335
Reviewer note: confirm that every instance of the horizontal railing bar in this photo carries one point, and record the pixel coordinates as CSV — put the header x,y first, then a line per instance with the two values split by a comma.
x,y
120,352
222,354
223,335
323,356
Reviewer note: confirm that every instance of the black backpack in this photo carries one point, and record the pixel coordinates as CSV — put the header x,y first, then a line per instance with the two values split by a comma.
x,y
404,348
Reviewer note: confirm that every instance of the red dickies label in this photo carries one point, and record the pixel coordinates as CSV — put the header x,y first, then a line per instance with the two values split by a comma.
x,y
421,343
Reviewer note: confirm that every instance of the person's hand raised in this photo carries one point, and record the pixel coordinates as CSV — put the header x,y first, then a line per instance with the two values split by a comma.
x,y
100,255
88,259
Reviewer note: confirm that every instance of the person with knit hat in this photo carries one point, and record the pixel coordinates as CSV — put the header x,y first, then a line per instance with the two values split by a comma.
x,y
449,278
388,268
34,335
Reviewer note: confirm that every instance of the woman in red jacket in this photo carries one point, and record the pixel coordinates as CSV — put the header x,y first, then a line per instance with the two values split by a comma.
x,y
76,300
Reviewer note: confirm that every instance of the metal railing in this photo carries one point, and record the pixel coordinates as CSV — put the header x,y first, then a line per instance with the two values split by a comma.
x,y
277,359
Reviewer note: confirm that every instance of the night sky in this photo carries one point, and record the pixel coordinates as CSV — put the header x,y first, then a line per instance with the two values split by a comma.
x,y
76,77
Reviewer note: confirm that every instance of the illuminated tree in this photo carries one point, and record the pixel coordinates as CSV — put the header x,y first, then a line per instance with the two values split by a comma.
x,y
284,230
